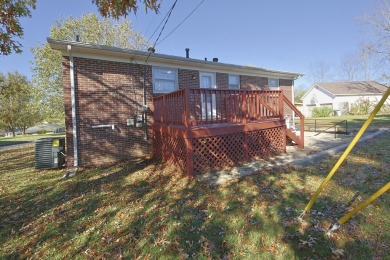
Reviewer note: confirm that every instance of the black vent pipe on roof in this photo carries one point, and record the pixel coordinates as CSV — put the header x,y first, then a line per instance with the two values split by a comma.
x,y
187,53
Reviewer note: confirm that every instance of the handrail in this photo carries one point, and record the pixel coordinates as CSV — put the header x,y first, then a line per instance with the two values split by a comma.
x,y
301,123
291,105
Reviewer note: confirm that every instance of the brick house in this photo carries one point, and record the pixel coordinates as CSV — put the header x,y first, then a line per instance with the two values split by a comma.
x,y
109,96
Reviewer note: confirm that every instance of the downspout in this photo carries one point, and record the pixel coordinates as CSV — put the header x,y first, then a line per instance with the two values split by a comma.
x,y
293,102
144,107
293,99
73,100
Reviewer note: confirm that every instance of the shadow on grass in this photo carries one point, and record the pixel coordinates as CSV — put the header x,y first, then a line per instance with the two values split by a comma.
x,y
5,143
147,210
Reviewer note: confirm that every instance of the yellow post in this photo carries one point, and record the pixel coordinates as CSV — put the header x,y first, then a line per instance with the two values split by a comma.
x,y
358,208
346,152
364,203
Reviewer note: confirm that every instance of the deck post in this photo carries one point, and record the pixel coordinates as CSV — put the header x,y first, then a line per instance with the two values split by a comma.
x,y
257,108
284,138
187,118
163,120
302,132
281,110
244,108
190,156
246,146
187,139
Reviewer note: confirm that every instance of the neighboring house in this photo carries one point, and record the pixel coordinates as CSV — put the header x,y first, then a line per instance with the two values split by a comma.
x,y
47,127
109,93
340,95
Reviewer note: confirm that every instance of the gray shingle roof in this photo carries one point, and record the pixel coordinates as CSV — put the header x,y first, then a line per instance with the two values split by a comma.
x,y
129,54
353,87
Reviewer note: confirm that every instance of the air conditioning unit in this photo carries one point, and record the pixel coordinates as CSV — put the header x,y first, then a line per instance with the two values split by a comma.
x,y
49,153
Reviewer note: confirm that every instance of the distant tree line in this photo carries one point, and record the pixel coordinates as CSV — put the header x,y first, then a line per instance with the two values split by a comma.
x,y
20,105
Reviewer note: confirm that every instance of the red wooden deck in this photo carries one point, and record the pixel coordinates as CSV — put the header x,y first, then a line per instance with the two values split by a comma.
x,y
204,129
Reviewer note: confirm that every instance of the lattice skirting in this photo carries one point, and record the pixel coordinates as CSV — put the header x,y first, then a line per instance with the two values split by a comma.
x,y
265,143
217,152
170,149
213,153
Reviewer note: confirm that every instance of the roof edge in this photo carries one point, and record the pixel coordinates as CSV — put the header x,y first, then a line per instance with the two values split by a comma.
x,y
104,50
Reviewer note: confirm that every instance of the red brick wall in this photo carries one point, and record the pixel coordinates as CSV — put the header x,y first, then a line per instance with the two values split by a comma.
x,y
188,78
222,80
286,86
253,83
107,93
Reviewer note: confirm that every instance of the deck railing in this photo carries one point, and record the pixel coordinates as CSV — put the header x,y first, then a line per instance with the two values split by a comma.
x,y
292,127
197,106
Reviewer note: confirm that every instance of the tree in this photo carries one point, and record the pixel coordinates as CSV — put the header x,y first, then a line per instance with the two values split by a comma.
x,y
118,8
47,64
378,21
320,71
350,66
18,102
12,10
10,28
376,54
298,93
367,57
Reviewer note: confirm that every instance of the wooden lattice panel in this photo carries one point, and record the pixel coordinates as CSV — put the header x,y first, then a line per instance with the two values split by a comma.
x,y
265,142
217,152
170,149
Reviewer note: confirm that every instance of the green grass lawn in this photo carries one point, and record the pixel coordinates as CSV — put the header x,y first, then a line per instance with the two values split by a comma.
x,y
20,139
146,210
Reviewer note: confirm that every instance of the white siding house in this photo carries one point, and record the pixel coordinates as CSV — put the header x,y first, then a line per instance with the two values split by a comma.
x,y
340,95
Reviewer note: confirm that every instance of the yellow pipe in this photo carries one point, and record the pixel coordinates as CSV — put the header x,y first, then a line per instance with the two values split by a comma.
x,y
347,151
364,204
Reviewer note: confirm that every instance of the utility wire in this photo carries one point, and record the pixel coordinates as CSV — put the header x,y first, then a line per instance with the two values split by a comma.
x,y
182,21
162,29
136,55
150,24
159,24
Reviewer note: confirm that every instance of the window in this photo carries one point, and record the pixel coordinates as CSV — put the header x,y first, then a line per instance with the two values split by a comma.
x,y
234,82
164,80
273,84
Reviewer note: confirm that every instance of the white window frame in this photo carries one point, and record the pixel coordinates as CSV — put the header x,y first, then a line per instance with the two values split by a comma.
x,y
234,86
271,84
155,79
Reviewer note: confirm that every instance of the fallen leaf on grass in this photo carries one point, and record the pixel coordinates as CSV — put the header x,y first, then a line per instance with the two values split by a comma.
x,y
307,243
338,252
289,223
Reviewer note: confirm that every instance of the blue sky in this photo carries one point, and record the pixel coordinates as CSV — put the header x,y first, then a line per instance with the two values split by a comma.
x,y
279,34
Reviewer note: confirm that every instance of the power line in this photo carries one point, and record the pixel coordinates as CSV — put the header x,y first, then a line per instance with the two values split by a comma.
x,y
162,29
182,21
150,24
159,24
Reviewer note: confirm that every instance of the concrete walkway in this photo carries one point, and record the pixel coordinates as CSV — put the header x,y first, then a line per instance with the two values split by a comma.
x,y
317,147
